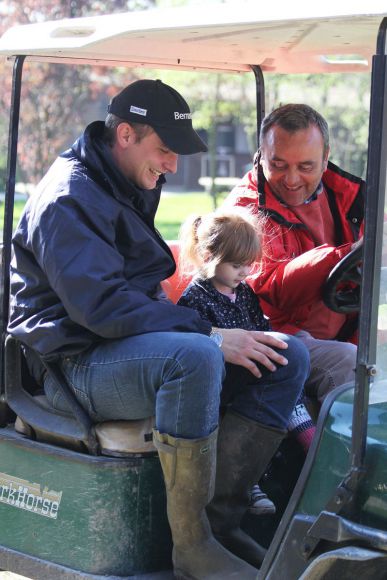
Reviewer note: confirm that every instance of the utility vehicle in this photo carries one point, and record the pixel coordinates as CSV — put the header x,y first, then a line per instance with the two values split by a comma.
x,y
79,500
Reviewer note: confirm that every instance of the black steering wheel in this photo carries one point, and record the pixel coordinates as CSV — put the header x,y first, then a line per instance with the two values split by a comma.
x,y
341,291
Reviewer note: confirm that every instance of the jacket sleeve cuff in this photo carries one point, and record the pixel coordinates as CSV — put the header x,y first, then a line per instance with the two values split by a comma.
x,y
205,327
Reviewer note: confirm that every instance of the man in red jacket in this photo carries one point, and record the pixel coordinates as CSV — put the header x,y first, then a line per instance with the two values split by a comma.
x,y
313,217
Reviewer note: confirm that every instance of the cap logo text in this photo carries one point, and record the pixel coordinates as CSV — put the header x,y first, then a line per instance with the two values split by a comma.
x,y
138,110
182,115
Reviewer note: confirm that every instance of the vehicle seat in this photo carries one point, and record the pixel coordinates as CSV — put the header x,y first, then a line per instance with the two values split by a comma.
x,y
36,418
176,284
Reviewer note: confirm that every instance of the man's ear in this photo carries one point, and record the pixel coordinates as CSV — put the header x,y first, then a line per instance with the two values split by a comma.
x,y
124,135
259,158
326,157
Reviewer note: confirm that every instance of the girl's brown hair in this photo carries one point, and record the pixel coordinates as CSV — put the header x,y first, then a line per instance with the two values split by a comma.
x,y
226,235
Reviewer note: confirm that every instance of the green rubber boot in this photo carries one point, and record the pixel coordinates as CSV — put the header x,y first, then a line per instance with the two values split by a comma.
x,y
245,448
189,473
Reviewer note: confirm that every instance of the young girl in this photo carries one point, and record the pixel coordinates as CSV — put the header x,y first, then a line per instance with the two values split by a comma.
x,y
220,249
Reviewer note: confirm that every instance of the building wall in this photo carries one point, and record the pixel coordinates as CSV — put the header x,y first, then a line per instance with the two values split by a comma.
x,y
232,155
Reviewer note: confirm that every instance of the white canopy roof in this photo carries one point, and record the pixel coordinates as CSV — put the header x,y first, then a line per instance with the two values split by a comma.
x,y
334,35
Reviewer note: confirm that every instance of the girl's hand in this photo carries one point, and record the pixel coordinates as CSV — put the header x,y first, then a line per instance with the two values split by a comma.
x,y
248,347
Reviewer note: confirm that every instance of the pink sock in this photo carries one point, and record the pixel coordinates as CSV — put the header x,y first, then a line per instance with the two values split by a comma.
x,y
305,438
301,426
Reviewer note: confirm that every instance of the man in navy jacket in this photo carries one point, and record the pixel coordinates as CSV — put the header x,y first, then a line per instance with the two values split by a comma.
x,y
85,291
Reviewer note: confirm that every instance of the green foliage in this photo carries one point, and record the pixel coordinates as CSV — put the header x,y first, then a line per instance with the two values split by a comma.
x,y
52,118
343,99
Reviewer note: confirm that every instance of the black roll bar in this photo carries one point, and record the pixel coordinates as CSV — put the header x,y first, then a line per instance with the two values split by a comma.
x,y
9,206
374,218
260,96
84,421
341,500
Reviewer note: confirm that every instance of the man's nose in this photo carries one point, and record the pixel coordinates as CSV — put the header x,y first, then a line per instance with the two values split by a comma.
x,y
170,164
292,176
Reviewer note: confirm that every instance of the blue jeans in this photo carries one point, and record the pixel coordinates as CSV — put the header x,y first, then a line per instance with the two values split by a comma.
x,y
175,376
271,399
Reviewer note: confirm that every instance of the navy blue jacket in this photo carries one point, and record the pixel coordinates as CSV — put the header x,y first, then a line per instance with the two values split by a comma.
x,y
88,260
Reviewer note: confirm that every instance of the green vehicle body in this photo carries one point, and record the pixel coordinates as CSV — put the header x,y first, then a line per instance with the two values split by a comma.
x,y
88,494
70,512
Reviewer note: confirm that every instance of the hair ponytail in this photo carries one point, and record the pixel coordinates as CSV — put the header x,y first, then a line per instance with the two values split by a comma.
x,y
226,235
189,241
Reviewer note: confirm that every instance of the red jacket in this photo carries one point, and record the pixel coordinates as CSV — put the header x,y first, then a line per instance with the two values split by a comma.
x,y
293,268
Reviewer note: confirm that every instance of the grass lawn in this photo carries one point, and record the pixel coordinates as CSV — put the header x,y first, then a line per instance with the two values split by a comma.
x,y
173,209
18,208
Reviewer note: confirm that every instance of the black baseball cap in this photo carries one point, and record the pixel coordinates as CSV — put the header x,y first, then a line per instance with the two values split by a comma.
x,y
156,104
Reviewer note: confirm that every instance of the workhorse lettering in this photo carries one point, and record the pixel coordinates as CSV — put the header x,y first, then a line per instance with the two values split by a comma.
x,y
24,495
